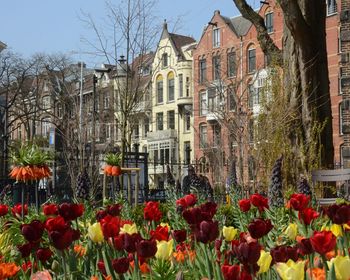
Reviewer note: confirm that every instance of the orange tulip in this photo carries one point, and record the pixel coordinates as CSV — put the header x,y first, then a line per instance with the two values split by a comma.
x,y
79,250
8,270
317,274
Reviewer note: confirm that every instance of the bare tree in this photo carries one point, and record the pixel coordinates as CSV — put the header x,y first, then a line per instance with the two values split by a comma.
x,y
132,33
306,84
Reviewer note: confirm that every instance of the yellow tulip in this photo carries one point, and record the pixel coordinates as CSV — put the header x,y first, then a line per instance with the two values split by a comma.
x,y
129,229
229,233
341,265
291,231
95,233
337,230
164,249
264,261
291,270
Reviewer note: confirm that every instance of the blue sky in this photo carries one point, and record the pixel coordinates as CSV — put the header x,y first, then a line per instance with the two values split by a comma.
x,y
49,26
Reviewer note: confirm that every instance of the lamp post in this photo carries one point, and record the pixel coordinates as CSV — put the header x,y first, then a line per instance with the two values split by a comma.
x,y
93,122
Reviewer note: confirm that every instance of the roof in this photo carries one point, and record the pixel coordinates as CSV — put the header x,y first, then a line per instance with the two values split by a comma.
x,y
238,24
181,40
2,46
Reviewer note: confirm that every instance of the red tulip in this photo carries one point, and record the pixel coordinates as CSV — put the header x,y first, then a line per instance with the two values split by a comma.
x,y
33,231
208,210
25,249
63,239
231,272
70,211
146,248
305,247
323,241
284,253
56,224
101,214
247,253
259,201
180,235
193,216
151,211
44,254
339,214
244,204
307,215
50,209
3,210
114,210
161,233
299,201
118,242
187,201
110,226
130,242
208,231
259,227
121,265
17,209
101,267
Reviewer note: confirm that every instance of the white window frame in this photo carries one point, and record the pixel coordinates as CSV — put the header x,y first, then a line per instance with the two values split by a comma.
x,y
216,38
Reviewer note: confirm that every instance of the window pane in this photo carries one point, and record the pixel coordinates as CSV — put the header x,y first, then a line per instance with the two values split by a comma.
x,y
171,119
181,85
216,38
171,91
231,64
216,68
159,121
251,60
203,136
160,92
202,71
269,22
203,104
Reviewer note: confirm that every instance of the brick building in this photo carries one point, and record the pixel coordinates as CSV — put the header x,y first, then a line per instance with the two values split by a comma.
x,y
228,55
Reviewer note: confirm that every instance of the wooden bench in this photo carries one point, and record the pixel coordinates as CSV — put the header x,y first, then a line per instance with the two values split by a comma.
x,y
337,175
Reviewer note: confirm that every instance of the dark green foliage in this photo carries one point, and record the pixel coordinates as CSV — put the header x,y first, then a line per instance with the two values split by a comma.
x,y
275,194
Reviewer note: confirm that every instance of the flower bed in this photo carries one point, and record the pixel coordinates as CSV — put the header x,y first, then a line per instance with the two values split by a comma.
x,y
180,239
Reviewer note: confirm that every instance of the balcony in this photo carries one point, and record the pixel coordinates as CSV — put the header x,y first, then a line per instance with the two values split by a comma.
x,y
213,116
142,107
185,100
161,135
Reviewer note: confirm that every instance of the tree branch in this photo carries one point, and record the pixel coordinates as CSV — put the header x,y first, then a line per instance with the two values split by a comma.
x,y
266,43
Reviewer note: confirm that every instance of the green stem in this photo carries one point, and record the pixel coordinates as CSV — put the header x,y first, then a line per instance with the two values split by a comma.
x,y
210,276
324,260
64,266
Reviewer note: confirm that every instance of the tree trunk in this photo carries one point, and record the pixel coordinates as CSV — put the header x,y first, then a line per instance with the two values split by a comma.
x,y
306,81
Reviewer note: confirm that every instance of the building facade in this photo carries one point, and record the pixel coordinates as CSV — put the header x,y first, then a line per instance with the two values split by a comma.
x,y
170,140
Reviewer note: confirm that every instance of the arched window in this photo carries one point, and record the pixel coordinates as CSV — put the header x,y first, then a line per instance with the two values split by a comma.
x,y
203,136
251,59
171,87
159,84
269,21
165,60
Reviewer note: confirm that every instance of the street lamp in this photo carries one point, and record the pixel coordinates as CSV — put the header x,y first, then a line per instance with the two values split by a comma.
x,y
93,124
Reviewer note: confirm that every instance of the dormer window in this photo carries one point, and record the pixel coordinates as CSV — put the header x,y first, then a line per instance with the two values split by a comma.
x,y
216,38
165,60
269,22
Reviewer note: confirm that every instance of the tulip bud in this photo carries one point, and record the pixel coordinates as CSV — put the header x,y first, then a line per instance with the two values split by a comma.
x,y
95,233
291,231
229,233
129,229
341,266
55,266
164,249
264,261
